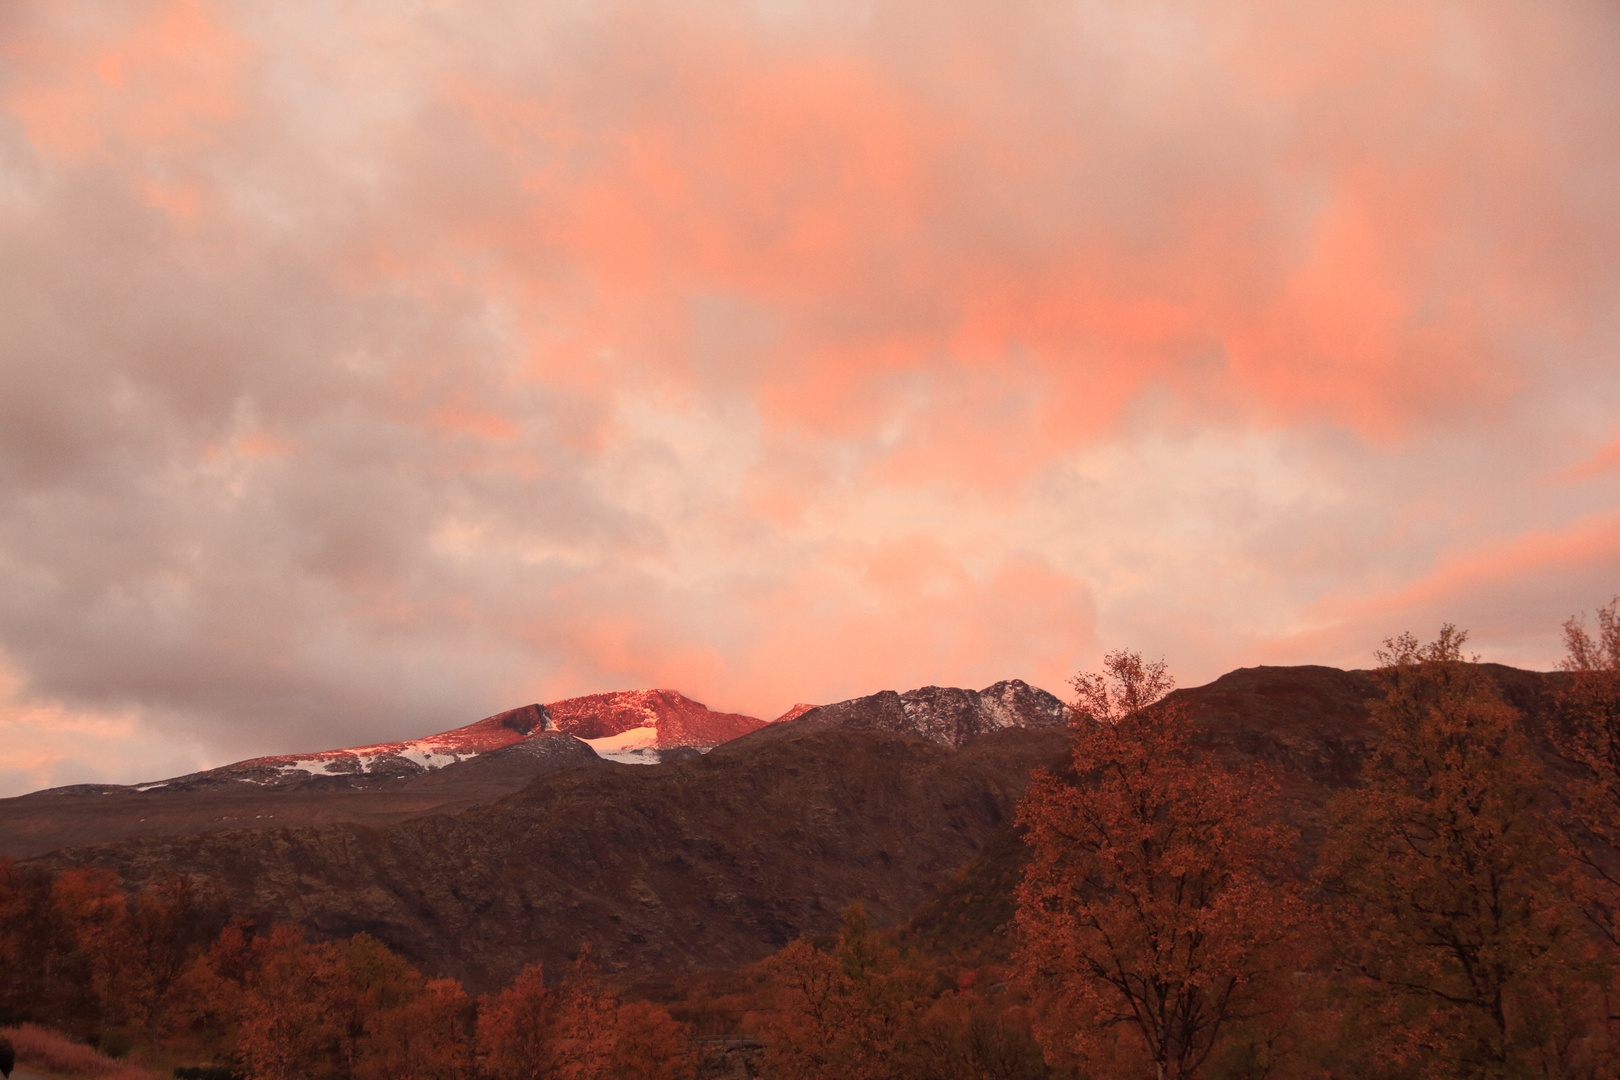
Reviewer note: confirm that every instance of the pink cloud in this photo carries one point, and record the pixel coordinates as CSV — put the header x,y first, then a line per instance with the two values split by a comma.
x,y
160,77
396,364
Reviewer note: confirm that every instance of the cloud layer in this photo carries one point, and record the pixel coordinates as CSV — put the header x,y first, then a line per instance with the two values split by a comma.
x,y
368,370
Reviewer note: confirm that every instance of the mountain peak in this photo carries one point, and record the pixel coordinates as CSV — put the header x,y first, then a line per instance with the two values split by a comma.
x,y
948,715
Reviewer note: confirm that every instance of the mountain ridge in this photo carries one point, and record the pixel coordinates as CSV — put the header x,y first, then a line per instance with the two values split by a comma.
x,y
722,858
382,784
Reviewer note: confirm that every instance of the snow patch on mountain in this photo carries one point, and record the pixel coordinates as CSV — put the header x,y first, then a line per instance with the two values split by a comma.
x,y
637,746
640,727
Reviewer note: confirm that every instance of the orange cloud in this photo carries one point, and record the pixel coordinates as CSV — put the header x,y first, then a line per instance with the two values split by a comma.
x,y
163,76
860,619
1605,460
786,352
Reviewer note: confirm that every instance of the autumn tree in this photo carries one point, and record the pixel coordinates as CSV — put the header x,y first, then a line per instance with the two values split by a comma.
x,y
290,1017
578,1031
209,993
1588,738
27,943
375,980
581,1025
1156,915
964,1033
169,923
1449,879
646,1043
514,1028
92,913
424,1035
842,1012
598,1037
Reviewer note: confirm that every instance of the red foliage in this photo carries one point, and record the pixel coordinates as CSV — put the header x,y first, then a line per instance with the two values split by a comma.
x,y
646,1044
863,1009
1156,915
94,912
514,1028
1589,739
1453,892
578,1032
290,1006
840,1014
51,1051
426,1037
280,1006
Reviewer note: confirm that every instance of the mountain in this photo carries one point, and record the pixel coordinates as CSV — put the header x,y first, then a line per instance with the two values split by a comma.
x,y
641,726
1308,725
942,714
706,859
901,801
713,861
392,759
377,784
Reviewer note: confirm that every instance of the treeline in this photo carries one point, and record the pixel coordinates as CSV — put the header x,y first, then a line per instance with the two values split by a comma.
x,y
140,973
1457,921
1457,915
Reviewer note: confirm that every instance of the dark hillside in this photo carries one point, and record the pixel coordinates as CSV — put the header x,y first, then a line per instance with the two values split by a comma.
x,y
45,821
712,862
1308,723
717,861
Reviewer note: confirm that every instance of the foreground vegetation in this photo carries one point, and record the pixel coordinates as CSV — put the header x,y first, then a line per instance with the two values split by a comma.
x,y
1462,919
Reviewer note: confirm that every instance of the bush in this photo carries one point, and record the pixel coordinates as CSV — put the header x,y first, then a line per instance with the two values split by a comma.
x,y
205,1072
115,1044
54,1052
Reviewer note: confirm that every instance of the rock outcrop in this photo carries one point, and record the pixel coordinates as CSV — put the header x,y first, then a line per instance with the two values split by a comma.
x,y
943,714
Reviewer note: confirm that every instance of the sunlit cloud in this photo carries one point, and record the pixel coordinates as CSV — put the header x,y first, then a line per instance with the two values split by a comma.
x,y
366,372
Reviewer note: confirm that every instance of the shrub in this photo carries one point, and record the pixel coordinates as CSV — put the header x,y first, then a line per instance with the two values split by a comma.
x,y
54,1052
205,1072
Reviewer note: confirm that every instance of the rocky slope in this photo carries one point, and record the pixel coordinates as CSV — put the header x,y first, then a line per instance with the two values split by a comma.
x,y
44,821
942,714
377,784
642,726
476,764
718,860
1308,724
714,861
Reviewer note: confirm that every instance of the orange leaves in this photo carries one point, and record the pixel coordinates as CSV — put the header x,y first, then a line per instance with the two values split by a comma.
x,y
1455,898
1589,740
289,1004
646,1044
1157,900
425,1038
838,1013
864,1011
94,913
577,1031
282,1007
134,948
512,1027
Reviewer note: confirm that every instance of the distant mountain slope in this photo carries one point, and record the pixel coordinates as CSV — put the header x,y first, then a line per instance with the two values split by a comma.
x,y
713,861
718,860
404,758
43,821
377,784
943,714
633,725
1309,724
476,764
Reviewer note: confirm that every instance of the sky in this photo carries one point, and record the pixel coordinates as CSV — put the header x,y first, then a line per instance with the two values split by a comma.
x,y
367,368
